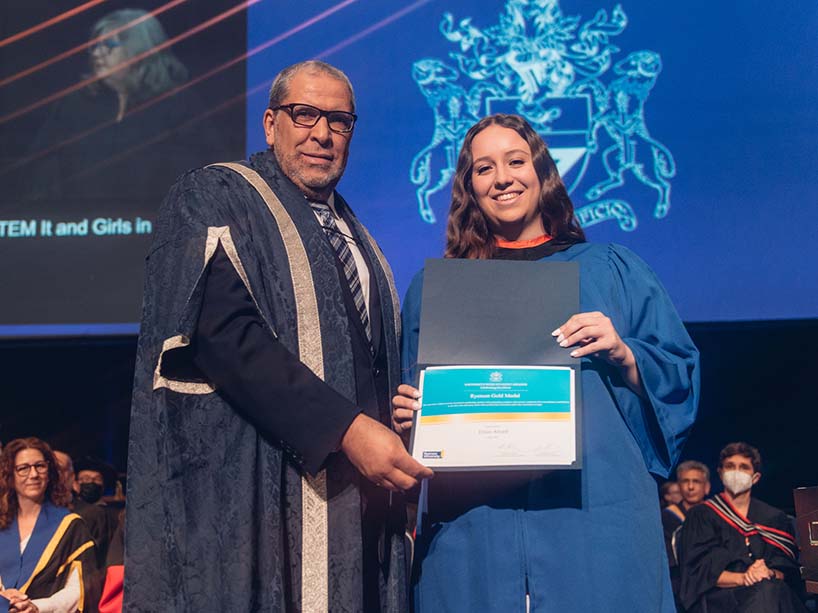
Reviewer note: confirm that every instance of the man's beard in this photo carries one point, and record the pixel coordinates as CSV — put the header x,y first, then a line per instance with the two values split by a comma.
x,y
313,184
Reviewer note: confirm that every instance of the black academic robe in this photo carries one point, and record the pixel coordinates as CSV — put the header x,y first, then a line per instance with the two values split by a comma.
x,y
673,517
237,498
717,538
101,522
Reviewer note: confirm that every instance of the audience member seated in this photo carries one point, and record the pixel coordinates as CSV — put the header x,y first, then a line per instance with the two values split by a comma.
x,y
694,485
46,552
93,478
65,466
737,553
669,493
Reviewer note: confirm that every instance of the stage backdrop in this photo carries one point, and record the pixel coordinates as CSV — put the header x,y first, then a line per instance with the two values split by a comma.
x,y
686,131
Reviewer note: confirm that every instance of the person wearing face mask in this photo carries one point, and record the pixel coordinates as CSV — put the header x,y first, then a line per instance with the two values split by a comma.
x,y
737,553
91,479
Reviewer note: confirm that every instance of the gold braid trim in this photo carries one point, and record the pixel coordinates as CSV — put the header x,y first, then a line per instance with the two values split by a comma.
x,y
215,236
314,528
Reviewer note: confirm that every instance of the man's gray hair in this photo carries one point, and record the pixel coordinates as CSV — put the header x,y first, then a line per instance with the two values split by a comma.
x,y
281,84
692,465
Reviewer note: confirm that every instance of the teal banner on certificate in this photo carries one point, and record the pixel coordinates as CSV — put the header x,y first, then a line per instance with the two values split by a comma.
x,y
480,392
474,417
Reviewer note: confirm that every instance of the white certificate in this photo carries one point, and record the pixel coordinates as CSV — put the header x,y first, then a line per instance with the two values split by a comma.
x,y
492,417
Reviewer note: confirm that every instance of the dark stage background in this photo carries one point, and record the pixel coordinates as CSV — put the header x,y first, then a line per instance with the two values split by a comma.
x,y
758,385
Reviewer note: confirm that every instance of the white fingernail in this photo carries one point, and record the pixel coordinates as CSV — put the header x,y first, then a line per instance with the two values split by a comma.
x,y
573,354
563,343
556,332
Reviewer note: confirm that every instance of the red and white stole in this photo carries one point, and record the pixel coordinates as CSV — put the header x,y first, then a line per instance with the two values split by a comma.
x,y
777,538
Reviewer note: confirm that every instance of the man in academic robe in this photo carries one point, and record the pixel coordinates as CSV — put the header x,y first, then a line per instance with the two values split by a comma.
x,y
737,553
694,485
261,474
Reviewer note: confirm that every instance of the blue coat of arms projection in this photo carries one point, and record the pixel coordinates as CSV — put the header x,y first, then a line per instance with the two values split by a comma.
x,y
580,91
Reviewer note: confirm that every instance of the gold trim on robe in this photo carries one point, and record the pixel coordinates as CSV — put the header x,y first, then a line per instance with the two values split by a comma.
x,y
314,529
52,545
216,235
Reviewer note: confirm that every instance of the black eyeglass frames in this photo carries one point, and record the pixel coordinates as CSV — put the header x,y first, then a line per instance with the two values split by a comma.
x,y
23,470
307,116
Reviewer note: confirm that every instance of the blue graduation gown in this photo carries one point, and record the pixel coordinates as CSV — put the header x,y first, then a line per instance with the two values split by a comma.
x,y
588,540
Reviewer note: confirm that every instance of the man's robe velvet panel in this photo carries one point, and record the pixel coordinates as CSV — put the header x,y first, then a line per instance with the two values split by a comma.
x,y
215,498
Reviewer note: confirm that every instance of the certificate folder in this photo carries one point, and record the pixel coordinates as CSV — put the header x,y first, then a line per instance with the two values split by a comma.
x,y
497,314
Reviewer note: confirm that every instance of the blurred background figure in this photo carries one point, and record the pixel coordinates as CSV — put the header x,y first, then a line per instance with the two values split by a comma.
x,y
100,142
693,482
669,493
124,63
93,478
39,536
66,469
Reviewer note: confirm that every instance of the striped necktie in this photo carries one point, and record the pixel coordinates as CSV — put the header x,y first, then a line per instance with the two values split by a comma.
x,y
338,242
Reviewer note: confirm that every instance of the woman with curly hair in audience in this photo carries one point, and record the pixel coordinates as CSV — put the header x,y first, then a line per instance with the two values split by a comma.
x,y
47,555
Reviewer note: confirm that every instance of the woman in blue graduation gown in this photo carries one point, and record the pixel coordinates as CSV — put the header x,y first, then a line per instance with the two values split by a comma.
x,y
588,540
47,558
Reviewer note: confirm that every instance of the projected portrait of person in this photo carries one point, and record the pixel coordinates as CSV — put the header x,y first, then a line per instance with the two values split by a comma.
x,y
115,145
123,61
127,118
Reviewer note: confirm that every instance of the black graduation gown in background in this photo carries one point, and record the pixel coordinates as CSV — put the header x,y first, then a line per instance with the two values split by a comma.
x,y
671,522
710,545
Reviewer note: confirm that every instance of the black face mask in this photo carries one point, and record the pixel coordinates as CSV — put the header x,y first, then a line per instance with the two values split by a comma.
x,y
90,492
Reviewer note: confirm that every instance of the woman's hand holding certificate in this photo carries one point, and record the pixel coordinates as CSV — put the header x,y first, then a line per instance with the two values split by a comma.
x,y
595,334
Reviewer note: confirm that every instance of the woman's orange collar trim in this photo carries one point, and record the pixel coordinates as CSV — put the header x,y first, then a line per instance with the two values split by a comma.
x,y
531,242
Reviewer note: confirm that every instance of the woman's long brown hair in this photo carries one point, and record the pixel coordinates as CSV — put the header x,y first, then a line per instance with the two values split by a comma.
x,y
467,231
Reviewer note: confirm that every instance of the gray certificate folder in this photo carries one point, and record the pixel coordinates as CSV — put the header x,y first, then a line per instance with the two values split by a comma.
x,y
496,312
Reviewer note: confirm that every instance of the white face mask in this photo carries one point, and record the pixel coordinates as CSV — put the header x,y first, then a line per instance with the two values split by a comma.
x,y
737,481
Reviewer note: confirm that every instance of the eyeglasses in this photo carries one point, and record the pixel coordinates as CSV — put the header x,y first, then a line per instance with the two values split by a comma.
x,y
307,116
104,45
23,470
